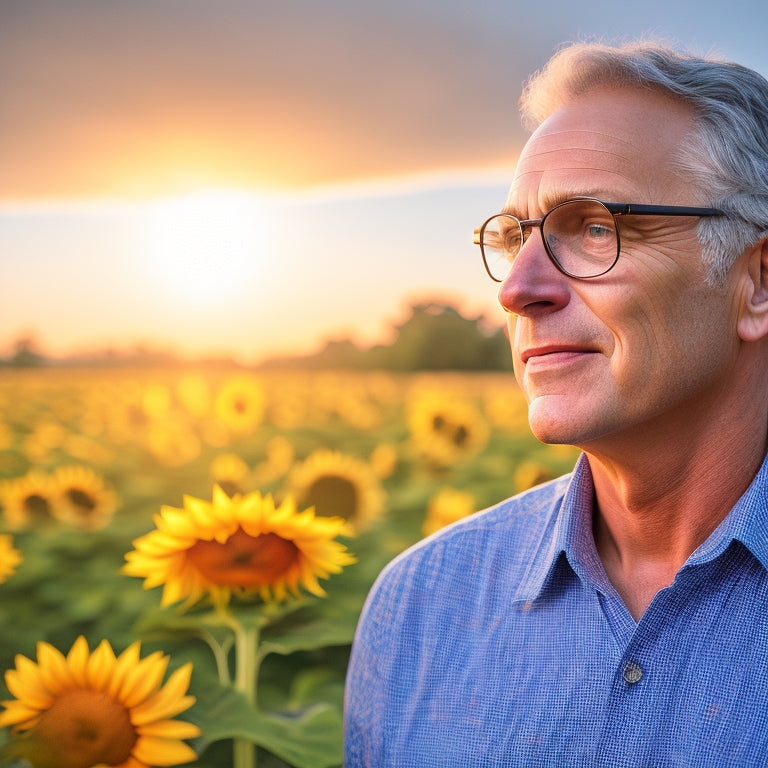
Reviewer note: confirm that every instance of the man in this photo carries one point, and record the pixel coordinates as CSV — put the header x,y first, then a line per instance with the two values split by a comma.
x,y
617,616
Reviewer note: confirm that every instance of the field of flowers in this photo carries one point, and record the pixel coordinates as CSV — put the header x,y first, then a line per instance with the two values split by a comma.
x,y
184,553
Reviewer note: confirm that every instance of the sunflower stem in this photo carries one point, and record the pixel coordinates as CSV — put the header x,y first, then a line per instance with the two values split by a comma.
x,y
246,673
220,654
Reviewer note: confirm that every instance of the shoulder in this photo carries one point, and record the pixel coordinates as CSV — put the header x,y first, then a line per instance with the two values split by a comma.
x,y
492,548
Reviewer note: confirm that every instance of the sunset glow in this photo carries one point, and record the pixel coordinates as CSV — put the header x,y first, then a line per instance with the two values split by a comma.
x,y
204,248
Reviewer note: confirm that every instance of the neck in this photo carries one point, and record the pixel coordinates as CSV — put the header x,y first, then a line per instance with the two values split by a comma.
x,y
655,507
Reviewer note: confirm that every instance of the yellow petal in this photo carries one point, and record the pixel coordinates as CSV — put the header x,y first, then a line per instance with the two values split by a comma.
x,y
144,679
101,665
169,729
124,663
168,701
16,712
25,683
161,752
54,670
77,661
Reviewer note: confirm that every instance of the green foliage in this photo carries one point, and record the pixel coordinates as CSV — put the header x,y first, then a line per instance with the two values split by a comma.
x,y
435,337
70,583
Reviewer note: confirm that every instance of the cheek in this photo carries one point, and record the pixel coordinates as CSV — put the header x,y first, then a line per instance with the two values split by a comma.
x,y
667,338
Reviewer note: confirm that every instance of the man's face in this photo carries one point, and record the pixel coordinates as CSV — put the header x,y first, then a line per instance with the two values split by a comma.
x,y
649,345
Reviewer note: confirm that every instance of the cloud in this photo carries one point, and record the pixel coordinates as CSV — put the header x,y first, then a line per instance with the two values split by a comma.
x,y
132,97
140,97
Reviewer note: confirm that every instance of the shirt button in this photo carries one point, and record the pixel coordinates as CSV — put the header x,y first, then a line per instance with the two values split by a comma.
x,y
632,673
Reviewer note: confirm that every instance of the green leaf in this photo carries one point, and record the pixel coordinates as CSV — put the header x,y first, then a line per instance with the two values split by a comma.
x,y
161,622
306,738
305,630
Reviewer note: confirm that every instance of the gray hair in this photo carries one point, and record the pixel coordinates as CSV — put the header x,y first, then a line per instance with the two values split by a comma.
x,y
728,153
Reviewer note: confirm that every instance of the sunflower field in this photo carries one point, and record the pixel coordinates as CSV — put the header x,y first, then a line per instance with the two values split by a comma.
x,y
184,552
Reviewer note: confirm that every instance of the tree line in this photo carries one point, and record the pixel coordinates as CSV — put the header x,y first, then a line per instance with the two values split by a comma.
x,y
433,337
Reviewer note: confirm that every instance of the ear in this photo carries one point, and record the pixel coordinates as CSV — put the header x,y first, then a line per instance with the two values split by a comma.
x,y
753,314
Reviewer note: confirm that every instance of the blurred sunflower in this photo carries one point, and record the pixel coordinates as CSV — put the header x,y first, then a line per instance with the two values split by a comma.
x,y
241,545
529,473
82,498
240,403
156,400
384,460
194,394
506,407
446,428
10,558
6,436
172,442
338,485
47,435
231,473
280,456
27,500
87,709
445,507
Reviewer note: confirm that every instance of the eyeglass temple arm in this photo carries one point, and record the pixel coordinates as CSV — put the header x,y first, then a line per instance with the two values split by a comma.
x,y
633,209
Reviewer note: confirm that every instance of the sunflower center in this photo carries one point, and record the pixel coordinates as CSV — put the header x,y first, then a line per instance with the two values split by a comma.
x,y
438,422
244,560
333,496
89,727
37,505
460,435
81,499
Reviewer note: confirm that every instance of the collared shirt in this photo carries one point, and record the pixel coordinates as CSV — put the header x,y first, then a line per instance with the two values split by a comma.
x,y
500,641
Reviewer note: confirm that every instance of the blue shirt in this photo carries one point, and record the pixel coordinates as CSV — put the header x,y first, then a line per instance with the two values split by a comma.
x,y
500,641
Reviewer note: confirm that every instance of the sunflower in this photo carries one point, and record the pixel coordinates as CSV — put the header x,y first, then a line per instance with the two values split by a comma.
x,y
280,456
240,403
27,500
172,442
194,394
242,545
384,460
82,498
446,428
10,558
230,471
507,408
529,473
445,507
90,709
338,485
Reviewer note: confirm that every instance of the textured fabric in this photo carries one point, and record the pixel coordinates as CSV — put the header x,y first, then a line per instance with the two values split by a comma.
x,y
499,641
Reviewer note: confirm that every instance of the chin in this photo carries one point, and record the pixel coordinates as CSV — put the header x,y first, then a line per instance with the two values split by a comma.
x,y
559,428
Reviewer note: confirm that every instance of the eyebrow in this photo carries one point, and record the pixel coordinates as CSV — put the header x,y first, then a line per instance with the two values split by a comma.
x,y
557,196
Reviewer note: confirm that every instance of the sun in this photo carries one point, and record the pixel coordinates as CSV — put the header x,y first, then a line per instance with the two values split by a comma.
x,y
205,247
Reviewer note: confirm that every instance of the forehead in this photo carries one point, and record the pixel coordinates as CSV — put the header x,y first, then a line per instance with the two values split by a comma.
x,y
618,144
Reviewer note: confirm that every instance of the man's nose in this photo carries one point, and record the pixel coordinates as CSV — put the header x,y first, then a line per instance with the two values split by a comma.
x,y
534,283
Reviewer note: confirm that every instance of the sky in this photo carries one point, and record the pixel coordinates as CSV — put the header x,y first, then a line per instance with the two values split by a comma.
x,y
252,178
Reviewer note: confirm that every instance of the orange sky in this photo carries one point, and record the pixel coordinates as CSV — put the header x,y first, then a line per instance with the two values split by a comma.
x,y
355,144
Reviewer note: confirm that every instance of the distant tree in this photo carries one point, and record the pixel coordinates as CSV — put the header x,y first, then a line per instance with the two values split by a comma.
x,y
434,337
25,354
438,337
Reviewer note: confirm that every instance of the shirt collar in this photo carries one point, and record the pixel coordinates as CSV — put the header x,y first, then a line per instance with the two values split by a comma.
x,y
572,535
747,522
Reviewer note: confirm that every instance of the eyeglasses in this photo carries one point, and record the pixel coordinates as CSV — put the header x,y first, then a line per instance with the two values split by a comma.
x,y
581,235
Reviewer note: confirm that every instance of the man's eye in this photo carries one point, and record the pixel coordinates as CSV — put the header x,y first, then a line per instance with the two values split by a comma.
x,y
598,231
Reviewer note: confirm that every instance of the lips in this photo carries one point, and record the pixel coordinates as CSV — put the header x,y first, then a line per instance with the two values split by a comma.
x,y
555,351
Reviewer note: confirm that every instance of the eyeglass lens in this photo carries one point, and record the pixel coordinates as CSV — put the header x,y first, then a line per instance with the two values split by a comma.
x,y
580,237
